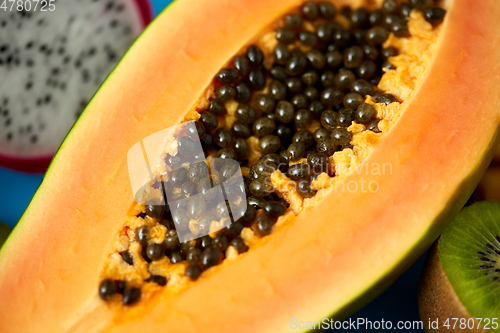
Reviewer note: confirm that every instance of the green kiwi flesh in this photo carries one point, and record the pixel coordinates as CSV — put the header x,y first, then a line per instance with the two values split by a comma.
x,y
469,252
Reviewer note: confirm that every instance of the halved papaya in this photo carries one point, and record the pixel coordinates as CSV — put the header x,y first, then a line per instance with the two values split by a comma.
x,y
328,255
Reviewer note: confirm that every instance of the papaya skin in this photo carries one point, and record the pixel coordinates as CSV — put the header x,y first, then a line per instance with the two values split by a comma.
x,y
338,257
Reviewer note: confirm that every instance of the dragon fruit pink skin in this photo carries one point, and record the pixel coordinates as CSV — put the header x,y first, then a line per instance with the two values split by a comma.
x,y
22,148
146,11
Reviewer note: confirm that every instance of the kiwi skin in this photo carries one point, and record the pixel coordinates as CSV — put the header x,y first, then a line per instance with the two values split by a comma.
x,y
436,297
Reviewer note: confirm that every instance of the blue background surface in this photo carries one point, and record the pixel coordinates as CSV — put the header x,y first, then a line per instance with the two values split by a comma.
x,y
398,303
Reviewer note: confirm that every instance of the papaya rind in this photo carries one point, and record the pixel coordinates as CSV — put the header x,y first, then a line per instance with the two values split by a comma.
x,y
67,217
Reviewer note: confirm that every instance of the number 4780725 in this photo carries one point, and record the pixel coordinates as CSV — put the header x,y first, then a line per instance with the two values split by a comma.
x,y
28,5
462,323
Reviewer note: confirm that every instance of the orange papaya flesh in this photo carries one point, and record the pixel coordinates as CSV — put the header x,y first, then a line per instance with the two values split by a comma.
x,y
438,149
130,262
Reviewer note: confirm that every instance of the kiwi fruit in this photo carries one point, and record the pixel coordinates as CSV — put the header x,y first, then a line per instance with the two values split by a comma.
x,y
461,276
4,233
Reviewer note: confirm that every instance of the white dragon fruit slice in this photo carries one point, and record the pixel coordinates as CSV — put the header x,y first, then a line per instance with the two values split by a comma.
x,y
51,64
